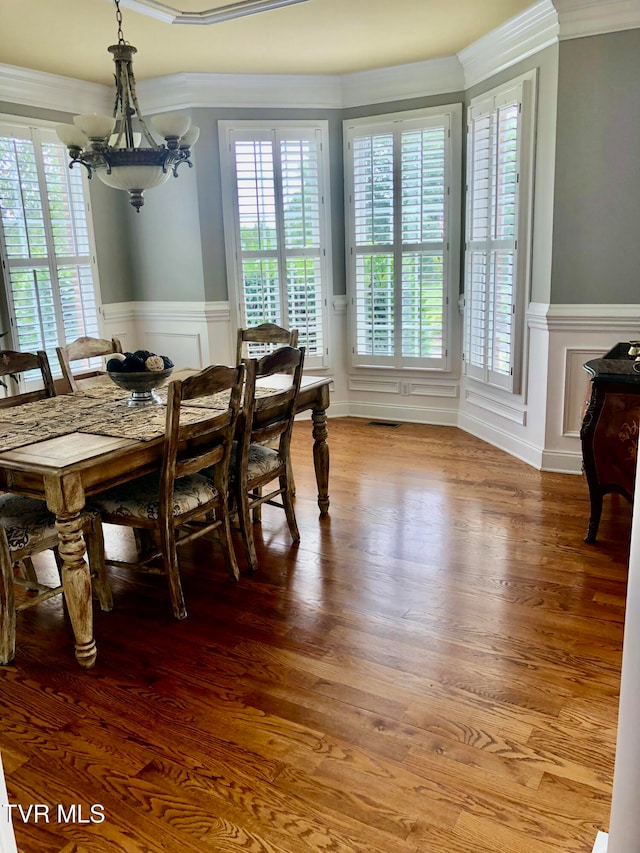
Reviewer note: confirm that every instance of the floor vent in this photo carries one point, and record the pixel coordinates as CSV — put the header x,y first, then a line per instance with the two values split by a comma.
x,y
383,424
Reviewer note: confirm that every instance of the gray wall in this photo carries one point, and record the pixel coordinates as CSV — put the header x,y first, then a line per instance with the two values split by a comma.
x,y
545,63
596,244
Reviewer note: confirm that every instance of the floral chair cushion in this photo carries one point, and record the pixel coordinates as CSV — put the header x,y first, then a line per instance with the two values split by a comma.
x,y
27,522
262,459
141,498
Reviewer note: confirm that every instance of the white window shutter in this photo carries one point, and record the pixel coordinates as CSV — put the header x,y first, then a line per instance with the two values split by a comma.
x,y
277,196
493,275
398,176
46,242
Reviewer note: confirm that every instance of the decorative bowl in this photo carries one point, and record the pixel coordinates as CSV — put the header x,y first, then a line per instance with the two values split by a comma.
x,y
142,385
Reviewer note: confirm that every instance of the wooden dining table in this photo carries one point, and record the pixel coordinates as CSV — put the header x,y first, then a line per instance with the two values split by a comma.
x,y
66,449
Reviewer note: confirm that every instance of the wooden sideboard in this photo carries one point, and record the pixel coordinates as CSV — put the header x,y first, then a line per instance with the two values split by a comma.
x,y
609,431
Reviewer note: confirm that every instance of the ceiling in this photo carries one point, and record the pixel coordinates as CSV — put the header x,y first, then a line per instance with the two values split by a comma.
x,y
70,37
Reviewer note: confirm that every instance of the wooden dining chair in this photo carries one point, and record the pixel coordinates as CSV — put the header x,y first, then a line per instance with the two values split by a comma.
x,y
83,349
13,363
179,503
27,528
266,336
262,453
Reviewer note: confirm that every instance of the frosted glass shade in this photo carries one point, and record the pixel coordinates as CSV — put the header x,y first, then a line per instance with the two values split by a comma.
x,y
71,135
133,177
190,137
95,126
171,125
137,139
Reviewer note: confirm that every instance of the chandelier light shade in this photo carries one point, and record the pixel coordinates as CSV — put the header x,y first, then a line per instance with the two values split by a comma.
x,y
109,145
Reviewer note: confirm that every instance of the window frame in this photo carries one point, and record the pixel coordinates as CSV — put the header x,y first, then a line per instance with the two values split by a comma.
x,y
40,132
228,131
520,90
450,117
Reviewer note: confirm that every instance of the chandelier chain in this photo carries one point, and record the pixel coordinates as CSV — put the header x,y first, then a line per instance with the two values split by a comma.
x,y
119,21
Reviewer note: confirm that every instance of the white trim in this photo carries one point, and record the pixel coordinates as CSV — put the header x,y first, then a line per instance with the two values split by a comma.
x,y
523,35
7,837
501,439
399,82
602,843
227,12
579,18
402,413
52,91
182,91
561,462
588,317
186,312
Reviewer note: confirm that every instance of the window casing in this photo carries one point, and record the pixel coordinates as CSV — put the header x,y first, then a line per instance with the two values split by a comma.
x,y
46,242
402,201
276,203
500,129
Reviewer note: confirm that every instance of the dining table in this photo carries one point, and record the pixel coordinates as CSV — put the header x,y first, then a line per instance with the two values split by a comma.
x,y
67,448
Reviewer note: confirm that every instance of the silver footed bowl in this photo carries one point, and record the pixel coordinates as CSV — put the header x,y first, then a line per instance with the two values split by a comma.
x,y
142,385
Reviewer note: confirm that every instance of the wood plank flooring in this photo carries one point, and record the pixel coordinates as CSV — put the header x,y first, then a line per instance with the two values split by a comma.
x,y
434,668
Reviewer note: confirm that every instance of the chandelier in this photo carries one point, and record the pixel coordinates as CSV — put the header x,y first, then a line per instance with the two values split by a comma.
x,y
109,145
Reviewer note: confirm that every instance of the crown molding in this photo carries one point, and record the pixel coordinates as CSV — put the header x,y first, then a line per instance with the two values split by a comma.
x,y
169,15
400,82
53,92
521,36
179,91
580,18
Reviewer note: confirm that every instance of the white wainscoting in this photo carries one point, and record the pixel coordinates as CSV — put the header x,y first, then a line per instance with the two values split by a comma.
x,y
192,334
541,425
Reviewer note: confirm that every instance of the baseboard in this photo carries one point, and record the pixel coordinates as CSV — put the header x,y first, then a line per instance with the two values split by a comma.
x,y
405,414
502,440
602,841
562,462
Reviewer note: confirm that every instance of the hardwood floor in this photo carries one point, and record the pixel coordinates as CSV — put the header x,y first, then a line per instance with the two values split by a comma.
x,y
434,668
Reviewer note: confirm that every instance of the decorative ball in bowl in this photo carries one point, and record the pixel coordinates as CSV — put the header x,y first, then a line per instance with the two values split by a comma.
x,y
140,372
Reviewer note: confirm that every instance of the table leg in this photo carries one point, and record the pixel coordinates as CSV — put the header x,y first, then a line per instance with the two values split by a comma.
x,y
321,457
66,499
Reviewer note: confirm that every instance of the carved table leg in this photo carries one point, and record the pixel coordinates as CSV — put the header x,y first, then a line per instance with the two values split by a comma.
x,y
65,497
321,457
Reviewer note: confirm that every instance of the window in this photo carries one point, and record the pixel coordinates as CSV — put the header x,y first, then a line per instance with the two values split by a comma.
x,y
499,167
401,204
46,241
276,200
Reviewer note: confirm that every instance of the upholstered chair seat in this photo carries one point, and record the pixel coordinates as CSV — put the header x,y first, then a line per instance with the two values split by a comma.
x,y
141,498
27,523
179,503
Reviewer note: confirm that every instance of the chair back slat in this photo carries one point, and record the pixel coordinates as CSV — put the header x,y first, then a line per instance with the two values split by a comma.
x,y
264,334
190,448
271,416
82,349
13,362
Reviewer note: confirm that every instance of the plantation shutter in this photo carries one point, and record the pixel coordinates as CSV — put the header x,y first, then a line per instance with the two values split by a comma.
x,y
46,247
280,232
491,270
398,223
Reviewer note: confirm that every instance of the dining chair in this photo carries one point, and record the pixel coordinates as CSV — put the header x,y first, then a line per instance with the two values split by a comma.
x,y
84,349
27,528
262,452
264,336
13,363
179,503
